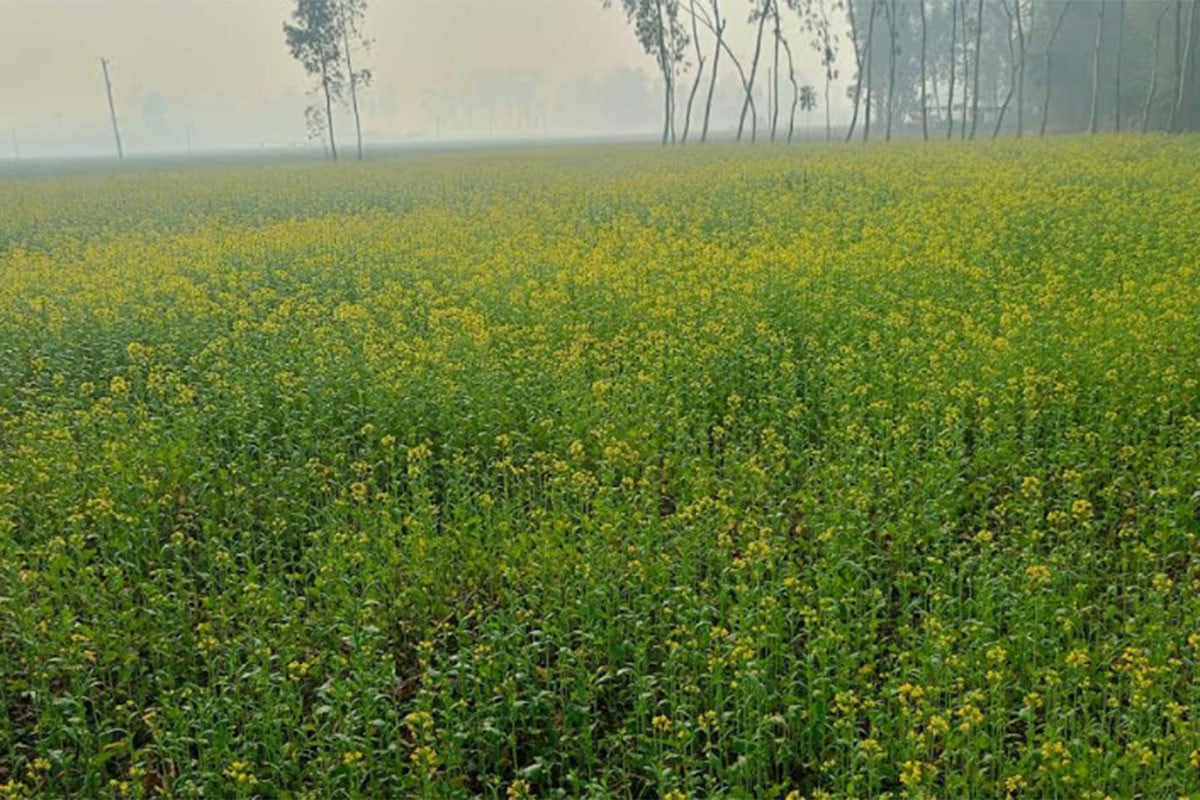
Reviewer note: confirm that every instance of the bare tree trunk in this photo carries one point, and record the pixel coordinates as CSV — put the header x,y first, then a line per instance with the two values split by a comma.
x,y
893,35
975,91
1178,44
1176,123
687,117
112,111
1022,49
746,87
795,89
858,65
666,112
1192,108
672,107
774,88
718,32
827,63
953,64
667,69
1120,49
1049,54
828,125
924,97
966,65
1153,69
328,110
353,82
762,21
770,98
870,59
1013,66
1094,125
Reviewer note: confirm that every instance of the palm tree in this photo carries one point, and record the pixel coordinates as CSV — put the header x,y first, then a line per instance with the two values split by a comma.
x,y
808,101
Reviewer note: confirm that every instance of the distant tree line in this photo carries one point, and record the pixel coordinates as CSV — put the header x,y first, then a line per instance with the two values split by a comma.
x,y
940,68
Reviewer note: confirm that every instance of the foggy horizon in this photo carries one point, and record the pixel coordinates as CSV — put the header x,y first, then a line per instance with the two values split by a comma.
x,y
443,71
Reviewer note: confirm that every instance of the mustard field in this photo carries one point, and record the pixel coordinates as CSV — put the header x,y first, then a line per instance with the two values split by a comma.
x,y
819,472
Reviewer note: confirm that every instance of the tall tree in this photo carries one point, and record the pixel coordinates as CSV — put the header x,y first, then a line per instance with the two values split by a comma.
x,y
350,16
1050,63
777,35
953,63
869,48
1120,53
824,42
112,110
890,11
687,115
859,53
659,32
314,38
1022,51
797,95
978,52
1014,64
924,80
759,13
966,67
716,26
1176,122
1094,124
718,29
1153,68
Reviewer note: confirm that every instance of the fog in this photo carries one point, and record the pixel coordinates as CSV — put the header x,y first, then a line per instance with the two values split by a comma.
x,y
216,75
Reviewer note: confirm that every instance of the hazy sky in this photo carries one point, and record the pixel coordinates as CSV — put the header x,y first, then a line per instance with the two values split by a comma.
x,y
219,72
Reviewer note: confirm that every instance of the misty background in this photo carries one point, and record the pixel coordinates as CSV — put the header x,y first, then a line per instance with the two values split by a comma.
x,y
216,74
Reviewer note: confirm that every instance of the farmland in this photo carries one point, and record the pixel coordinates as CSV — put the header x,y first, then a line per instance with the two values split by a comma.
x,y
614,472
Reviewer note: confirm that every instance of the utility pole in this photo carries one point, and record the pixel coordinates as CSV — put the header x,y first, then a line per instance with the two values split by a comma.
x,y
111,109
16,145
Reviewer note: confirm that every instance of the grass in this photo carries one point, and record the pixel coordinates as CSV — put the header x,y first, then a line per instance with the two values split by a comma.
x,y
612,472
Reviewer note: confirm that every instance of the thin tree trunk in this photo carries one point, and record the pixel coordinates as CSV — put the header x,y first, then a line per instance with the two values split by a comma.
x,y
1176,122
795,89
1012,78
112,111
328,110
966,65
666,69
687,118
745,82
828,125
1153,69
770,98
1120,52
762,21
775,74
1021,48
890,12
666,110
870,59
827,62
718,32
978,52
1178,44
924,96
353,82
1049,54
1094,124
858,66
953,67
